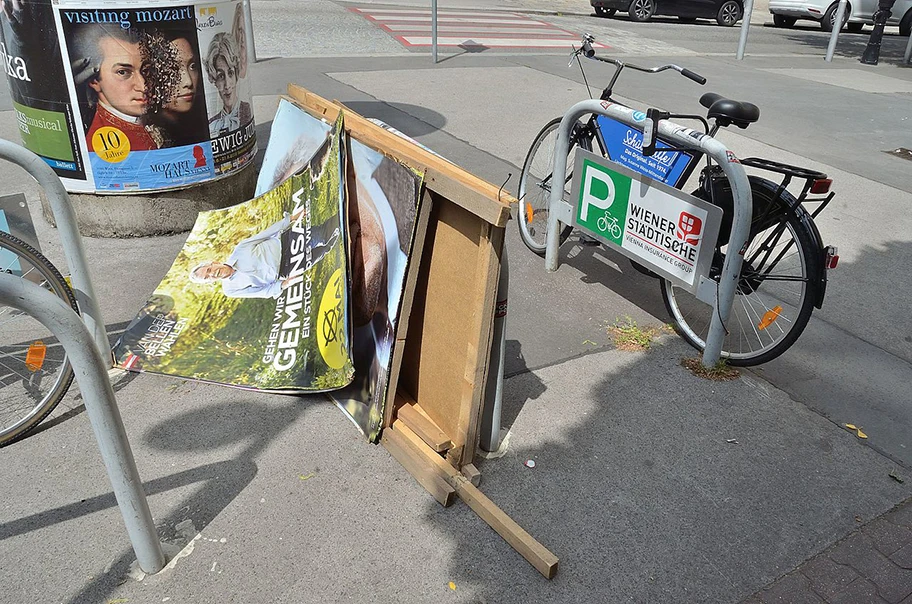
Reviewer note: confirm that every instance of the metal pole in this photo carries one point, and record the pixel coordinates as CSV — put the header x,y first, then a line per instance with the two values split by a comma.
x,y
834,35
908,55
69,235
434,30
489,440
561,211
248,31
871,54
745,27
101,407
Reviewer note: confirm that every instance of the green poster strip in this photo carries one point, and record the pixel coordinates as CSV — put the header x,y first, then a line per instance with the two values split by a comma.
x,y
44,132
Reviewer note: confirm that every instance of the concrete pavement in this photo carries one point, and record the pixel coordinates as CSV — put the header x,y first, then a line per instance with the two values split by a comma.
x,y
636,486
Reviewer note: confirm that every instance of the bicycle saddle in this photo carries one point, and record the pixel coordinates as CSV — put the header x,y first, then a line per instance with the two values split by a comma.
x,y
727,111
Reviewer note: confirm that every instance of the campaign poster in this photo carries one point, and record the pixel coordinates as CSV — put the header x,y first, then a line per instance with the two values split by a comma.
x,y
258,296
223,40
31,56
382,207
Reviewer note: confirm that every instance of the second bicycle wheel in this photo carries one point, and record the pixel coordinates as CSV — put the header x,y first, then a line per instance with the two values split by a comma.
x,y
775,294
34,371
535,184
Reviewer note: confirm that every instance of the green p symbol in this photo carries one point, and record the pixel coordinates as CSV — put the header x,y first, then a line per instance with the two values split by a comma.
x,y
597,190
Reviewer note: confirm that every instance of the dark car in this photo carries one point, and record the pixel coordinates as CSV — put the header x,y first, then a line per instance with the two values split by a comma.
x,y
725,12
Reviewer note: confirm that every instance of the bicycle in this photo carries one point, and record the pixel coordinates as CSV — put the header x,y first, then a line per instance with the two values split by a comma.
x,y
34,371
784,273
609,224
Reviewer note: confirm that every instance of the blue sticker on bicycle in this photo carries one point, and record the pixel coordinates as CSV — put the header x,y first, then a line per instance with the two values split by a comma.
x,y
639,116
624,145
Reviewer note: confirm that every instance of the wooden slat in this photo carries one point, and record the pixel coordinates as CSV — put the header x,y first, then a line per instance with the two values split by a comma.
x,y
471,472
405,307
480,338
425,428
417,466
534,552
476,195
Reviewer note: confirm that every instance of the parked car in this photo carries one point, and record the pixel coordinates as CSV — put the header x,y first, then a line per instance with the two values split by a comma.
x,y
725,12
858,13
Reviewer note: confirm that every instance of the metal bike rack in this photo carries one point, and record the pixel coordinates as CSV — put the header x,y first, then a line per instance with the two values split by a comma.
x,y
69,236
86,345
562,211
92,377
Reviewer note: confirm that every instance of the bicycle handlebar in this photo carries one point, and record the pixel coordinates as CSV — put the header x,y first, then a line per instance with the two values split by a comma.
x,y
589,52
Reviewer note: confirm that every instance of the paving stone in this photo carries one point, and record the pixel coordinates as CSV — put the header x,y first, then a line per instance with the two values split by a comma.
x,y
860,590
893,583
903,557
902,515
887,536
793,588
854,549
828,578
858,551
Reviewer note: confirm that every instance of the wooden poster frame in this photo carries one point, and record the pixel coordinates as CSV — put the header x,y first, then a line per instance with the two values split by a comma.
x,y
442,351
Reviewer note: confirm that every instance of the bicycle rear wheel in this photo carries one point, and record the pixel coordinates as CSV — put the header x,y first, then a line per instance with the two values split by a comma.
x,y
535,185
34,371
780,281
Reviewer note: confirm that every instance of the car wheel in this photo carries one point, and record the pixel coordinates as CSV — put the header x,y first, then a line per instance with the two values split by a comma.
x,y
601,11
729,13
905,26
783,21
829,17
855,27
641,10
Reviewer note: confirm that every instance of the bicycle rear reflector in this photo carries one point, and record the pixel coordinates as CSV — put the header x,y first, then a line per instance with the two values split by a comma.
x,y
34,358
832,256
821,185
769,317
530,213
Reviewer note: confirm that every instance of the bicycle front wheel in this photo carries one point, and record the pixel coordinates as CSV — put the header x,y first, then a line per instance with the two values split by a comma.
x,y
780,280
34,371
535,185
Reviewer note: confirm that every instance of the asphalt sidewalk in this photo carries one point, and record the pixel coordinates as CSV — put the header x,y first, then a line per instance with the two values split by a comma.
x,y
650,484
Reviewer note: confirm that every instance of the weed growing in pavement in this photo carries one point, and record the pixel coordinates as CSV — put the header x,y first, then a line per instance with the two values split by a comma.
x,y
627,335
720,372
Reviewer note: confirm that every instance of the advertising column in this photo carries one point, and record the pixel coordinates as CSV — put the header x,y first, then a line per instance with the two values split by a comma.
x,y
31,55
132,96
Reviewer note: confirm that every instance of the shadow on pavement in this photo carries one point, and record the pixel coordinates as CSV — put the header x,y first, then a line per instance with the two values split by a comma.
x,y
515,364
194,432
852,45
413,119
654,485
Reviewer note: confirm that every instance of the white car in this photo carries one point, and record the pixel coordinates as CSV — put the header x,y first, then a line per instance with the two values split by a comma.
x,y
787,12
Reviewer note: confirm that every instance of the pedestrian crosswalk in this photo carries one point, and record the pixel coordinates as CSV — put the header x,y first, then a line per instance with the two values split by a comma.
x,y
468,29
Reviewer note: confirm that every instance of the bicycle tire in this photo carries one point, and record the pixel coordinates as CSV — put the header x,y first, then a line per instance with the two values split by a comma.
x,y
534,185
758,296
19,382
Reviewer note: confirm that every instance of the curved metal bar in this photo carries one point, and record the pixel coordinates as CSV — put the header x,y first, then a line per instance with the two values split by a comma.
x,y
101,407
69,236
683,137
